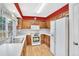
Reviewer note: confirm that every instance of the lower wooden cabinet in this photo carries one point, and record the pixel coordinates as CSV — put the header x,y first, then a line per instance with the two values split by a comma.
x,y
45,39
23,52
42,38
28,40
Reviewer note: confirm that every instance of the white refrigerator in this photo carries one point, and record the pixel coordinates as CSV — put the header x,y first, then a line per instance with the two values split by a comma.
x,y
59,37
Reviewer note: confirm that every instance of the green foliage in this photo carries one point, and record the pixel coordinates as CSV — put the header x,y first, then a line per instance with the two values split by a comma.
x,y
2,20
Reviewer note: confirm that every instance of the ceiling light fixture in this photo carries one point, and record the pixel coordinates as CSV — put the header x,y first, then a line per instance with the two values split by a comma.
x,y
41,7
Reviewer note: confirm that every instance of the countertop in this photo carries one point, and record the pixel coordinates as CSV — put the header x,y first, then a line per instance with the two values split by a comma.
x,y
10,49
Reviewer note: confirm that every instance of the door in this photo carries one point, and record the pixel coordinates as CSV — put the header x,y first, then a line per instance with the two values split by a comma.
x,y
62,37
74,29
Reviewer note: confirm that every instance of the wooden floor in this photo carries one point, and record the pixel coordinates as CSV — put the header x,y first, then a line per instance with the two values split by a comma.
x,y
41,50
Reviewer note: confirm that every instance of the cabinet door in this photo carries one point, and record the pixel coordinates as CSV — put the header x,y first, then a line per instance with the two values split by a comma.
x,y
42,38
28,39
45,39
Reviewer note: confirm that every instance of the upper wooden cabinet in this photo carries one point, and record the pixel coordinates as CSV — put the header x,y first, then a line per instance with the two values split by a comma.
x,y
26,24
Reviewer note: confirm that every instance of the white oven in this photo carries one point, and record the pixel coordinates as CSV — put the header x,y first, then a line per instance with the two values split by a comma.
x,y
35,39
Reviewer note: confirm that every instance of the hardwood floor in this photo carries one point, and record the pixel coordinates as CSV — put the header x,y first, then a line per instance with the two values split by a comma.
x,y
41,50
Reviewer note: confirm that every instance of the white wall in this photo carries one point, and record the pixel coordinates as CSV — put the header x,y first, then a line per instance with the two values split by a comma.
x,y
74,28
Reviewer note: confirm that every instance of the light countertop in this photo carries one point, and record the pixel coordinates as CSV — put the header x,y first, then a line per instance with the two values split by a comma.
x,y
10,49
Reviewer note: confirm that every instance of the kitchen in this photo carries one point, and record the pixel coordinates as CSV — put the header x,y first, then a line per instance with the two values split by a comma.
x,y
24,28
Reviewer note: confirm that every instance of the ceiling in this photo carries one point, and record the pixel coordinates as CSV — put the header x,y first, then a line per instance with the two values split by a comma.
x,y
11,7
30,9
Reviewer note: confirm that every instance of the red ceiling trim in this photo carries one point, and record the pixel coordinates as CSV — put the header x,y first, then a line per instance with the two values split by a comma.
x,y
59,11
18,8
25,17
32,18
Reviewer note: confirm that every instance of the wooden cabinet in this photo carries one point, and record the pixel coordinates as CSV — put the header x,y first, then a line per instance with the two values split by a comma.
x,y
26,24
28,40
42,38
23,52
45,39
